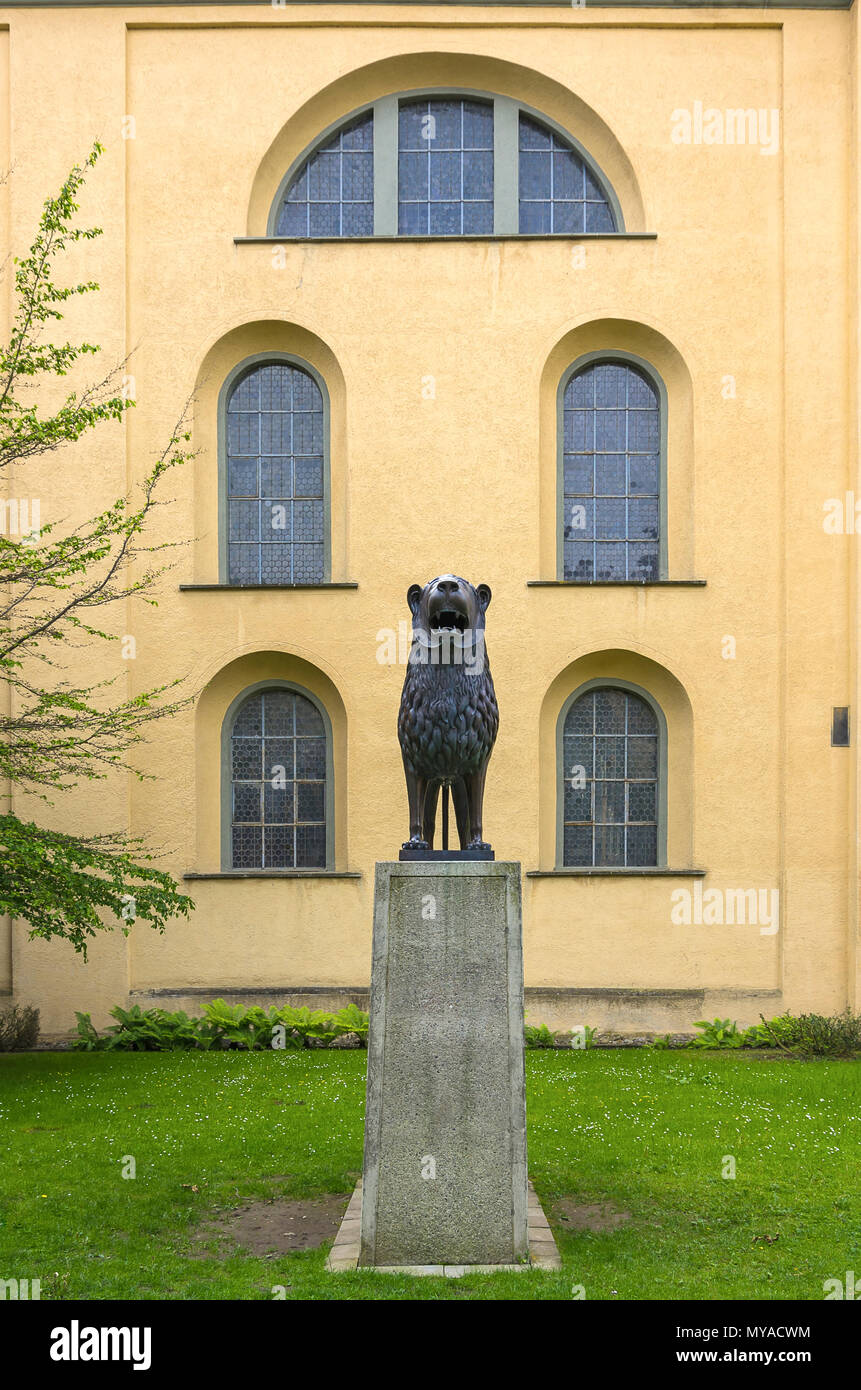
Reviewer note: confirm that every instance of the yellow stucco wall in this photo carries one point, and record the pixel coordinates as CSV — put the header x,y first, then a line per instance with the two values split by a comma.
x,y
751,275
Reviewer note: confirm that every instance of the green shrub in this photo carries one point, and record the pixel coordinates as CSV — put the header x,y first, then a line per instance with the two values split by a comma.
x,y
88,1039
803,1035
241,1026
776,1032
222,1025
814,1035
19,1028
721,1032
352,1019
140,1030
538,1035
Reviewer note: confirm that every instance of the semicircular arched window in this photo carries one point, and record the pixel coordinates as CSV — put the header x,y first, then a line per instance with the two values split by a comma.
x,y
276,472
278,758
610,793
445,164
611,505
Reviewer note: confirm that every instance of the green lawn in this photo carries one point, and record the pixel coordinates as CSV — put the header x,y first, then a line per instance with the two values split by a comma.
x,y
645,1131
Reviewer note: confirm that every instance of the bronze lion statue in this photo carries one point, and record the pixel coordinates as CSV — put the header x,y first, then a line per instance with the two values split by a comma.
x,y
448,717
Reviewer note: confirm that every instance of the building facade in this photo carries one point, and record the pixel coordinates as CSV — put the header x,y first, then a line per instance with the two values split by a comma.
x,y
562,299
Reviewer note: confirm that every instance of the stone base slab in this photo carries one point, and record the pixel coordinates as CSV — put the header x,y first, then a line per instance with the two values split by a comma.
x,y
344,1255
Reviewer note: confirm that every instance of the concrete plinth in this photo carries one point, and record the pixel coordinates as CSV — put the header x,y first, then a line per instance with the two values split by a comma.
x,y
444,1178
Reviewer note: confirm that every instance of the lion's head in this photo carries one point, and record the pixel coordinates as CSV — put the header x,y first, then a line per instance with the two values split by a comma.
x,y
448,604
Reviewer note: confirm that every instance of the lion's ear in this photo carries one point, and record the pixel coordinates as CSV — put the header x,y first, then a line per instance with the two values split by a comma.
x,y
484,596
414,597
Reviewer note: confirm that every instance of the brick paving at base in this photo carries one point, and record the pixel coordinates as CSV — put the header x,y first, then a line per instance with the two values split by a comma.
x,y
344,1254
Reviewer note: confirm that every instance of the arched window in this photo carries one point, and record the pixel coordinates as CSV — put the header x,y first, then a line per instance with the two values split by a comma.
x,y
278,762
558,190
332,194
275,480
611,442
444,164
610,780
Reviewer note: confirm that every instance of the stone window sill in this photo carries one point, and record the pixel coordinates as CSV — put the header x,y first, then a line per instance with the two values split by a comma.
x,y
596,872
241,588
482,236
277,873
615,583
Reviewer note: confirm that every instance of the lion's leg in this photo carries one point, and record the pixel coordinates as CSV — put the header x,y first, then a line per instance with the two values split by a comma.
x,y
475,795
429,818
461,811
416,787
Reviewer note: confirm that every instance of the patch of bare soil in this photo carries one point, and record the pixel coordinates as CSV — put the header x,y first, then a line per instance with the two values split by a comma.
x,y
572,1215
275,1228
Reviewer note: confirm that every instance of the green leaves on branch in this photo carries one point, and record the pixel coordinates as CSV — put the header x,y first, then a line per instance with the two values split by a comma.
x,y
55,733
57,736
23,431
62,736
73,887
53,584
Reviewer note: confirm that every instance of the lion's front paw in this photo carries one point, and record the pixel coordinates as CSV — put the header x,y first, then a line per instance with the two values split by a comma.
x,y
416,843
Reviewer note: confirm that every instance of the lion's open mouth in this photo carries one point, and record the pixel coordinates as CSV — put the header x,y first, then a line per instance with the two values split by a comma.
x,y
448,621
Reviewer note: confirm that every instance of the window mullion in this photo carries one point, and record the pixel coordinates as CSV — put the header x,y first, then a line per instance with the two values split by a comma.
x,y
506,130
386,166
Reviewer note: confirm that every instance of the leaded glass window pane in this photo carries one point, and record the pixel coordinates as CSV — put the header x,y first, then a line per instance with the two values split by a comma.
x,y
278,783
445,167
332,195
275,458
558,192
611,443
445,177
610,798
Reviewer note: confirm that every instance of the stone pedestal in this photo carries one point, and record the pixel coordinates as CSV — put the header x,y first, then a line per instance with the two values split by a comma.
x,y
445,1178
